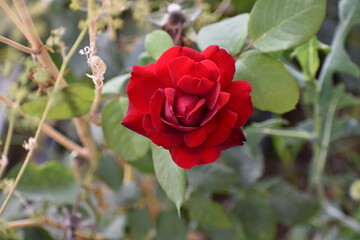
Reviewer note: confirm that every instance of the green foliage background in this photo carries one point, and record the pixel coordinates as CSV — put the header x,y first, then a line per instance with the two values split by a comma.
x,y
297,176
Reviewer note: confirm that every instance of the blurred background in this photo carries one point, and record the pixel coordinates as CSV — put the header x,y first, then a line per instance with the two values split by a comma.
x,y
279,164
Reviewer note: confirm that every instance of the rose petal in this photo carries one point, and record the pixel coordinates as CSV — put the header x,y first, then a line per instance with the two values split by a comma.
x,y
236,138
240,100
161,65
213,69
166,140
187,157
157,103
184,104
169,111
222,100
182,66
134,120
195,86
179,127
224,61
226,122
213,95
195,138
142,86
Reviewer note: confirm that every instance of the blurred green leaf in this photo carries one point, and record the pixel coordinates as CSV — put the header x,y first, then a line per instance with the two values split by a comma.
x,y
170,176
291,206
287,148
144,164
344,127
308,57
157,42
282,24
229,34
256,217
212,177
236,233
170,226
270,80
254,134
36,233
114,85
338,60
209,213
145,58
299,232
139,223
72,101
128,194
13,210
124,142
50,181
346,99
243,5
248,167
110,172
115,229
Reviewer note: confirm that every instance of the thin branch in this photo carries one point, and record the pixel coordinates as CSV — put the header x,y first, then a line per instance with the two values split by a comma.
x,y
46,61
6,100
51,223
10,131
96,66
52,133
85,137
28,29
324,146
64,141
14,18
283,133
25,223
28,23
43,118
19,46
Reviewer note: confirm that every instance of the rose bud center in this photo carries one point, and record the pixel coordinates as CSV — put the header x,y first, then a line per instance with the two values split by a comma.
x,y
188,110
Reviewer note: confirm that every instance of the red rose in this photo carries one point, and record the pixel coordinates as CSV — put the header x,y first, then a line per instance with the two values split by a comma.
x,y
187,103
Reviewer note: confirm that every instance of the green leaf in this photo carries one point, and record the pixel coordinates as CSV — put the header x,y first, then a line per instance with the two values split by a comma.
x,y
229,34
170,226
110,172
116,228
291,206
282,24
157,42
248,167
208,213
256,217
308,57
236,233
274,89
144,164
51,181
212,177
129,194
145,59
36,233
255,134
338,60
170,177
139,223
114,85
344,127
124,142
72,101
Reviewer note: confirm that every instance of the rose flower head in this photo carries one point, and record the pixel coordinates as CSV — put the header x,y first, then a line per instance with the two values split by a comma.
x,y
187,103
